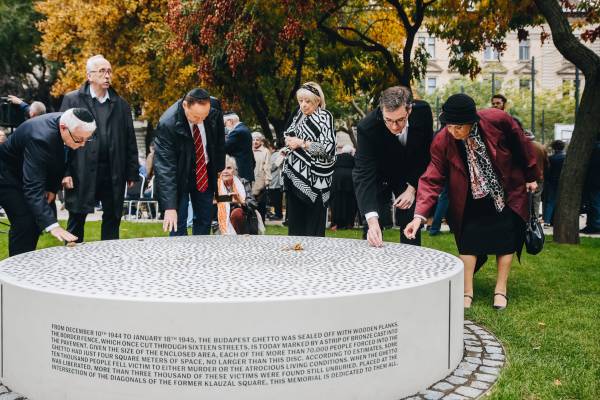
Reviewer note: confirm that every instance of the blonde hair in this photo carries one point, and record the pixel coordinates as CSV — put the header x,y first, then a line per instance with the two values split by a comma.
x,y
319,100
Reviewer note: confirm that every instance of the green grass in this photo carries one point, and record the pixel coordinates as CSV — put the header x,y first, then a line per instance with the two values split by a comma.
x,y
551,328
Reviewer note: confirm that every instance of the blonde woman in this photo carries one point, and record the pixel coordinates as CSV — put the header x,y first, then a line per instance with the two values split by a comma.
x,y
308,168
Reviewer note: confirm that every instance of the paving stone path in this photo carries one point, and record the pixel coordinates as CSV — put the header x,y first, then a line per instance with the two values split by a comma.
x,y
478,371
482,361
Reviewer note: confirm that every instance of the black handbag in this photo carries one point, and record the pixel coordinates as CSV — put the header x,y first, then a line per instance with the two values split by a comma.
x,y
534,234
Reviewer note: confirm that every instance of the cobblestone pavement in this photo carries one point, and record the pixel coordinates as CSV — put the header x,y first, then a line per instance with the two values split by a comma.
x,y
478,371
482,361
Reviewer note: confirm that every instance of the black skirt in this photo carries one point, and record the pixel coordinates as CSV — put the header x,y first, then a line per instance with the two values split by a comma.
x,y
487,231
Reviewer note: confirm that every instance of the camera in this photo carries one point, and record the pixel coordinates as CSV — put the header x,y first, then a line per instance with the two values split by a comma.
x,y
11,115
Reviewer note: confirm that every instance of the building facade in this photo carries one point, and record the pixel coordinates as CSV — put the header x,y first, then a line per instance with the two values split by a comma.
x,y
512,67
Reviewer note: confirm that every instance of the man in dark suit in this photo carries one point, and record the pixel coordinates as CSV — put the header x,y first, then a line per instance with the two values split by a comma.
x,y
189,154
392,153
32,165
238,144
100,171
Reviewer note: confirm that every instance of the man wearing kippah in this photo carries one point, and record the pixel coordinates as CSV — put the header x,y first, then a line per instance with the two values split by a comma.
x,y
32,164
100,172
189,154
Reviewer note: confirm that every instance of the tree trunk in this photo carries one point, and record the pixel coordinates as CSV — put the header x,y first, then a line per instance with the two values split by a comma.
x,y
587,121
572,177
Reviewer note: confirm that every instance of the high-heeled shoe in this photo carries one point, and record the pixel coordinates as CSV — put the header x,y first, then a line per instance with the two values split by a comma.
x,y
469,297
497,307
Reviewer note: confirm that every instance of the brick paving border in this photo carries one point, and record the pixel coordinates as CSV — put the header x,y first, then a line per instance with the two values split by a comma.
x,y
479,369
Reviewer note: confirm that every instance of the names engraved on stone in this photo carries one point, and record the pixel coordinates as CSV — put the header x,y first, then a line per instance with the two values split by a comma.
x,y
223,361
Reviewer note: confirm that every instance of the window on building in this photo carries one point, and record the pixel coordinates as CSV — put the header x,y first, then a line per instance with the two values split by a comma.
x,y
429,44
524,83
524,50
490,54
431,85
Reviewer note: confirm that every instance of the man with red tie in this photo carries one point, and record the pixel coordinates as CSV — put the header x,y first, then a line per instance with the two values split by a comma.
x,y
189,154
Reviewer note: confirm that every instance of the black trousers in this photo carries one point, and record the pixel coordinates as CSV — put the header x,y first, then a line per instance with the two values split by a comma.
x,y
111,215
305,219
24,232
276,200
261,199
403,218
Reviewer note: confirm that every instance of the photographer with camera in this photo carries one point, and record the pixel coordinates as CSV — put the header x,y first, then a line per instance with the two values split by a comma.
x,y
35,109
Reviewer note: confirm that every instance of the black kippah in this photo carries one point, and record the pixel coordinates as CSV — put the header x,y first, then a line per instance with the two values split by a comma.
x,y
199,94
83,115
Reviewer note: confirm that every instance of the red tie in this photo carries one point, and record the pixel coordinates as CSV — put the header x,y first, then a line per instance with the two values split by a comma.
x,y
201,172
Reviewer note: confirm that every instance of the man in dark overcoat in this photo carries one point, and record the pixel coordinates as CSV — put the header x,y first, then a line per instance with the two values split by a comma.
x,y
238,144
392,153
189,155
32,165
100,171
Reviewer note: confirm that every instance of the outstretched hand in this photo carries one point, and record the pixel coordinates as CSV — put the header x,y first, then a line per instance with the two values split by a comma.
x,y
531,186
170,221
63,235
410,231
374,237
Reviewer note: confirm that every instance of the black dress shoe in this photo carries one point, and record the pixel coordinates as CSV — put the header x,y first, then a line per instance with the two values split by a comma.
x,y
589,230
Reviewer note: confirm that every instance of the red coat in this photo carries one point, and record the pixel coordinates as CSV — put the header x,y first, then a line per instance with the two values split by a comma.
x,y
511,154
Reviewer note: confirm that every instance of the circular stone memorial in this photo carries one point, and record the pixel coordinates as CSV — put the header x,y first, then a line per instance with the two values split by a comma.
x,y
246,317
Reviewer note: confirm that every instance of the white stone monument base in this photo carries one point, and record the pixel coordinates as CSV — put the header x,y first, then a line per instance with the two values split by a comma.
x,y
229,318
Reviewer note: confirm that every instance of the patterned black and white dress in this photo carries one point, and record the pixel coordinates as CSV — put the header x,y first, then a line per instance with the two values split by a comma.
x,y
309,173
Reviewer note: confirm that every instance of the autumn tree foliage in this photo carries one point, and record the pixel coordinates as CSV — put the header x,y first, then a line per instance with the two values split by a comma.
x,y
131,34
23,70
253,53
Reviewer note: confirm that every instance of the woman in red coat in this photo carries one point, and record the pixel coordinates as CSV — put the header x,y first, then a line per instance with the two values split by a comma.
x,y
489,165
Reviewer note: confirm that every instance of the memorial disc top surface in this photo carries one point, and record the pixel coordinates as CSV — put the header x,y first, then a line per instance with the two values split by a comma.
x,y
227,268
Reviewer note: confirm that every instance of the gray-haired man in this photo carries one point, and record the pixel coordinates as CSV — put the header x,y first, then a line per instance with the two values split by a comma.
x,y
32,165
101,170
391,155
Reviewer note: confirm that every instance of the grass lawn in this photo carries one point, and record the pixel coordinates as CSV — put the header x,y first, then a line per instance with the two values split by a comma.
x,y
551,328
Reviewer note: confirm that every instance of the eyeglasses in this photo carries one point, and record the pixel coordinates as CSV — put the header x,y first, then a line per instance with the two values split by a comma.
x,y
80,140
104,71
394,122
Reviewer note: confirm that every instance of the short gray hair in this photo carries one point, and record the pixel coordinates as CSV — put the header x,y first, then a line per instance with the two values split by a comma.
x,y
70,120
91,62
395,97
258,135
231,116
37,108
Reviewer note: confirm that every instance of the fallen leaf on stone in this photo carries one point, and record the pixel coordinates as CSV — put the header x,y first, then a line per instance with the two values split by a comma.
x,y
296,247
71,244
557,382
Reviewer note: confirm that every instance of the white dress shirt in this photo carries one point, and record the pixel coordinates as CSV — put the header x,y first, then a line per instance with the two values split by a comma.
x,y
102,99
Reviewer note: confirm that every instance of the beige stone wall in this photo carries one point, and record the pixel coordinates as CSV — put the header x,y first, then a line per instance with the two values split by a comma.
x,y
551,68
